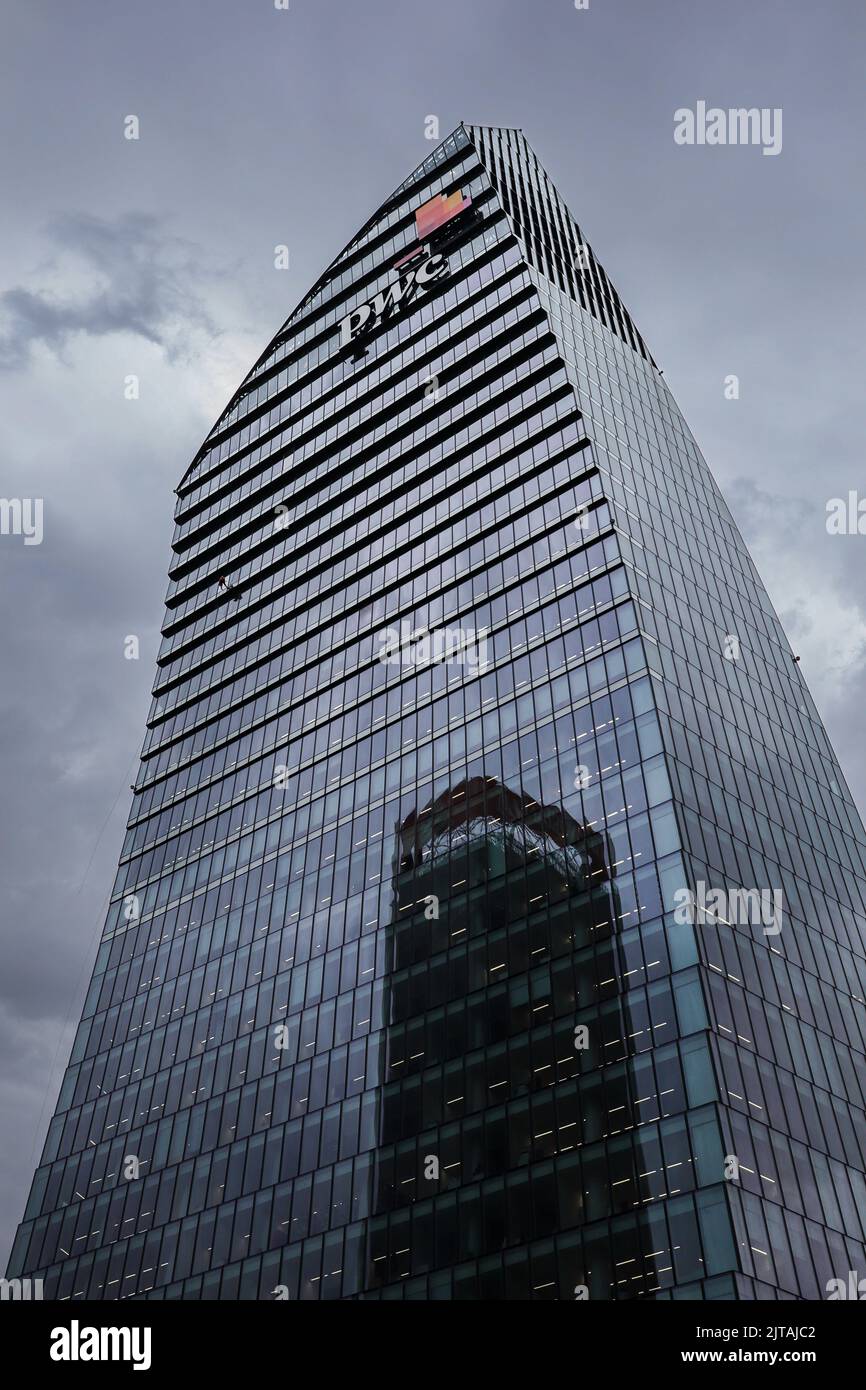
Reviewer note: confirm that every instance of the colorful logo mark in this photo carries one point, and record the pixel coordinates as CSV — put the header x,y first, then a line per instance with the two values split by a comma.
x,y
430,216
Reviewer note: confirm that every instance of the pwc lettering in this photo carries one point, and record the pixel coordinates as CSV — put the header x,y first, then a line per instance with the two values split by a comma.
x,y
414,278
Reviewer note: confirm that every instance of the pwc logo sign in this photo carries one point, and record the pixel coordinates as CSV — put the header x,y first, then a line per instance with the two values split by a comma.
x,y
415,277
414,271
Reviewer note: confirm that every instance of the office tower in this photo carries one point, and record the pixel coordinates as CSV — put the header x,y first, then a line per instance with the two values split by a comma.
x,y
489,923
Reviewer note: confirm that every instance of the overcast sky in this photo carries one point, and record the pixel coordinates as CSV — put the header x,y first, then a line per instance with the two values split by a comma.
x,y
155,258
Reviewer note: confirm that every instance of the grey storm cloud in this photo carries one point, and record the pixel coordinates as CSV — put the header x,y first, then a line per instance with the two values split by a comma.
x,y
143,284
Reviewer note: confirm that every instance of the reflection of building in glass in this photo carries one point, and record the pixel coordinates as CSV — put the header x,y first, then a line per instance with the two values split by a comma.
x,y
484,872
444,718
510,1027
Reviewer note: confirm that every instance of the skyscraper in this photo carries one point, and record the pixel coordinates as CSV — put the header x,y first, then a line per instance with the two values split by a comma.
x,y
490,919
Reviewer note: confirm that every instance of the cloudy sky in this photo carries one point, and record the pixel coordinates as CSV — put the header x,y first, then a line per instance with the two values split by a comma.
x,y
155,258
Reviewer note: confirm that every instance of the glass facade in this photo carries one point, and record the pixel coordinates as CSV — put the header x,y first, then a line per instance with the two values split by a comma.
x,y
438,963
